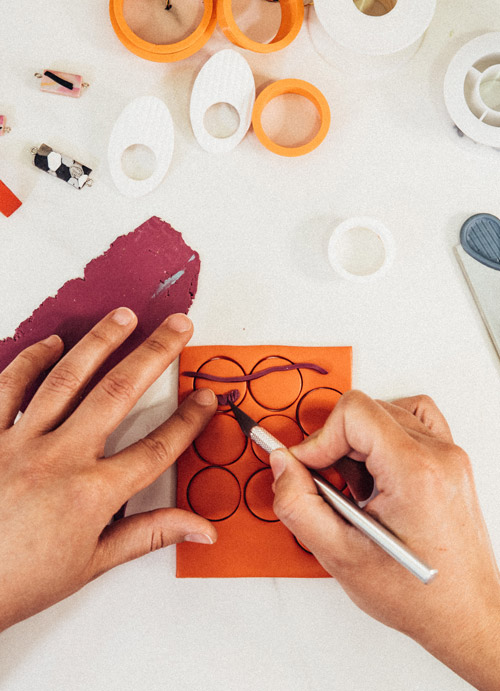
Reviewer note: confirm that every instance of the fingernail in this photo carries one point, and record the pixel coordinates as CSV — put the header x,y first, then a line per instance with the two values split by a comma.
x,y
123,316
178,322
277,461
52,341
199,537
204,397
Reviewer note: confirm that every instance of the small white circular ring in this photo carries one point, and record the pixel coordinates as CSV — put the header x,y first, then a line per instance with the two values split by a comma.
x,y
361,222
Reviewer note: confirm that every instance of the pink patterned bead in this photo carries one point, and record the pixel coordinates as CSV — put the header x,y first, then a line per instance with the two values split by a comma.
x,y
62,83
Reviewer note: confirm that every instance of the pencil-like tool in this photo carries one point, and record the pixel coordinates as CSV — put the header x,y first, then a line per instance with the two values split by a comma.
x,y
344,506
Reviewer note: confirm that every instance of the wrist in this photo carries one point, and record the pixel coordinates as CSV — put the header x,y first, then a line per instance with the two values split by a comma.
x,y
471,643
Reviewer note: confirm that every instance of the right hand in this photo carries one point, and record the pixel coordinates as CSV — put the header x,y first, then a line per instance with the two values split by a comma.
x,y
427,498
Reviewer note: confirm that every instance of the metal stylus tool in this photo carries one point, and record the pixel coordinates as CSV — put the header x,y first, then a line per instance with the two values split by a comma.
x,y
346,508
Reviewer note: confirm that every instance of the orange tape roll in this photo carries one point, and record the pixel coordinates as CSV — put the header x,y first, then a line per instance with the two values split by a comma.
x,y
291,86
292,16
170,52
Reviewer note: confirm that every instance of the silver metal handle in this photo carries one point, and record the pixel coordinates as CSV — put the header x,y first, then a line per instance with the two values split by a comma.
x,y
356,516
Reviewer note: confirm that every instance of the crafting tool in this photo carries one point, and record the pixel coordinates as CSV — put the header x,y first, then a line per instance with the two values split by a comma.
x,y
471,89
346,508
145,121
479,257
368,38
361,262
292,16
291,86
169,52
225,78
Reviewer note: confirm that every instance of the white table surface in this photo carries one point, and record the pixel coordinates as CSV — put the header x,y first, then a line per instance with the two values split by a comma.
x,y
259,221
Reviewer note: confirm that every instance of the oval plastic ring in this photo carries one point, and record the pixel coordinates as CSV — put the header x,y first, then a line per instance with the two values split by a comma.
x,y
147,121
291,86
225,78
292,16
169,52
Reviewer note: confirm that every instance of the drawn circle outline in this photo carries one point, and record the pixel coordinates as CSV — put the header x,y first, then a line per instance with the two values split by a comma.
x,y
204,470
262,405
252,476
299,404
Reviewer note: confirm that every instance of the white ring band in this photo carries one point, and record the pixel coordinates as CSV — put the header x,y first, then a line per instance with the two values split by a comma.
x,y
361,222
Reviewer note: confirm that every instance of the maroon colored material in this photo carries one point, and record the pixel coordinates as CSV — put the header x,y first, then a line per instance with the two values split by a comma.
x,y
228,397
151,270
257,375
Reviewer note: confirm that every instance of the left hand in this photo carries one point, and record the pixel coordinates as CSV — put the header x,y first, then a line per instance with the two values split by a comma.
x,y
57,491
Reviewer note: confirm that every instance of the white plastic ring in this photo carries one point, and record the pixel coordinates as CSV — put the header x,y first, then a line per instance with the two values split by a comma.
x,y
147,121
367,272
225,78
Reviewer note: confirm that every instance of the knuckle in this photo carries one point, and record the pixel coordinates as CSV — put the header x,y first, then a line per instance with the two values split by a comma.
x,y
158,451
186,415
100,336
354,397
9,382
423,402
118,387
288,509
28,357
157,346
63,379
158,538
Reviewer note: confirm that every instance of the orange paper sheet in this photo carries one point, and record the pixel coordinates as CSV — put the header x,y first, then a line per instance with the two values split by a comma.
x,y
226,478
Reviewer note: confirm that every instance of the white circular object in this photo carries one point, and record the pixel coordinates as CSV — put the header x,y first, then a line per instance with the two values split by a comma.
x,y
365,252
349,39
468,74
225,78
146,121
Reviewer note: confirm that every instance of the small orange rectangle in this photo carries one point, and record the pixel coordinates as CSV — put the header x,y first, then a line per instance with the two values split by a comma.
x,y
8,200
226,478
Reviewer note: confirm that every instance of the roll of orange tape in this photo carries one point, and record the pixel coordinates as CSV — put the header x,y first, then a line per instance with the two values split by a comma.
x,y
291,86
170,52
292,16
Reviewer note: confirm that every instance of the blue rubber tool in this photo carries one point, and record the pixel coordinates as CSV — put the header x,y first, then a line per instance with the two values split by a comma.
x,y
480,238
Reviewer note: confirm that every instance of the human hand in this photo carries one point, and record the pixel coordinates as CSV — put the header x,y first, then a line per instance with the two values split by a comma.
x,y
427,498
58,492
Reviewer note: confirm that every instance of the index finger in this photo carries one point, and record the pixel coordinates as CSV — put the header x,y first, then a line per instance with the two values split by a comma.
x,y
361,428
131,470
425,411
119,390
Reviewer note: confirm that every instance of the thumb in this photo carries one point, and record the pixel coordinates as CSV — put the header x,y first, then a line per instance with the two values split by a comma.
x,y
304,512
142,533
